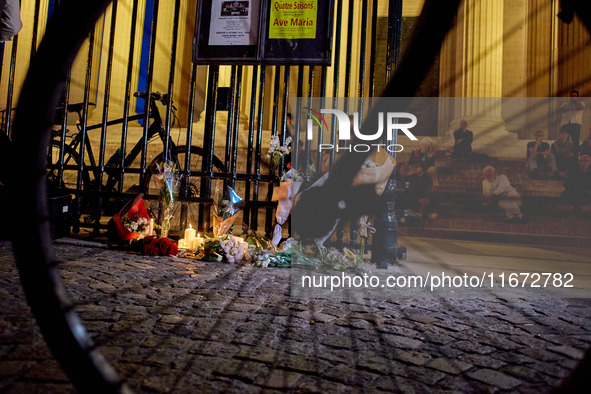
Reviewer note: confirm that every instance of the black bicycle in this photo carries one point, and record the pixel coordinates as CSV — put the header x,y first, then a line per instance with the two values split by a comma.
x,y
68,173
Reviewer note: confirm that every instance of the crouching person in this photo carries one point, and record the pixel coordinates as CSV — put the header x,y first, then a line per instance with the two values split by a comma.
x,y
498,188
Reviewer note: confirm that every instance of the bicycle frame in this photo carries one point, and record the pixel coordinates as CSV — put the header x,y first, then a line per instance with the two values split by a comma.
x,y
113,167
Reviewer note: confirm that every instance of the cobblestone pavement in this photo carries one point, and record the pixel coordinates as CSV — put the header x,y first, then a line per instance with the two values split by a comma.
x,y
181,326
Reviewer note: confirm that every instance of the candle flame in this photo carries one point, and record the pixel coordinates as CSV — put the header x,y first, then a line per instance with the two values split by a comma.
x,y
190,225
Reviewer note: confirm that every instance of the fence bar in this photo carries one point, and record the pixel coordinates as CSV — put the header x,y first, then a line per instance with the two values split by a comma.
x,y
349,60
229,125
362,57
236,126
311,74
175,35
208,146
250,149
286,75
185,189
295,151
8,122
257,157
64,125
374,37
105,118
336,75
394,34
127,98
269,214
148,98
35,28
84,139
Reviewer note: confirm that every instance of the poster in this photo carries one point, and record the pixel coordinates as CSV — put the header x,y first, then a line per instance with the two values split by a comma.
x,y
293,19
231,23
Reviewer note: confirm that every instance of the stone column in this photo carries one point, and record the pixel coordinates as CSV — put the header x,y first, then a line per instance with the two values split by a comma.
x,y
473,71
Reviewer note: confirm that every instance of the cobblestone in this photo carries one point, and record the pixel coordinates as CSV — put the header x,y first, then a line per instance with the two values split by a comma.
x,y
181,326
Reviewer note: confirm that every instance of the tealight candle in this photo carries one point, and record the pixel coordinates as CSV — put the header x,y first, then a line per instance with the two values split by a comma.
x,y
197,242
244,246
189,235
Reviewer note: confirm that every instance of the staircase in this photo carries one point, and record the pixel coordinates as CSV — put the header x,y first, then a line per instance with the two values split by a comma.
x,y
458,202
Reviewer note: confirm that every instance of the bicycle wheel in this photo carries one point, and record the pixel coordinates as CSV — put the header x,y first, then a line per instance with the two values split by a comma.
x,y
68,180
184,212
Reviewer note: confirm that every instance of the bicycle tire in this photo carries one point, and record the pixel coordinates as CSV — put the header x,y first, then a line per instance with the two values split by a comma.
x,y
68,181
181,219
64,333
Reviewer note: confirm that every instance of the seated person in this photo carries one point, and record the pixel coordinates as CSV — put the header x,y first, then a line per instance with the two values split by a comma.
x,y
498,188
563,150
577,187
425,154
538,155
463,141
585,148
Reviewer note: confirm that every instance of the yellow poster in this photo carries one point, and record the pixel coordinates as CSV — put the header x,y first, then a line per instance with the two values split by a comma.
x,y
293,19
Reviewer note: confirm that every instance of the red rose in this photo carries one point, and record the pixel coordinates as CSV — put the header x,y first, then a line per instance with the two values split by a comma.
x,y
167,247
151,246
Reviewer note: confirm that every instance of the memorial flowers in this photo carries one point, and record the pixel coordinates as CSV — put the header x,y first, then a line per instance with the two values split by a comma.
x,y
131,222
225,210
167,179
136,223
151,246
277,151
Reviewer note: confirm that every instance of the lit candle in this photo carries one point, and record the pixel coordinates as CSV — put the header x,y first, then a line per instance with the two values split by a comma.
x,y
151,228
189,235
244,246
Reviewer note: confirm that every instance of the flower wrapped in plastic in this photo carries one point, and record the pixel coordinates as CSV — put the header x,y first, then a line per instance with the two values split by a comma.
x,y
376,171
167,179
131,222
284,194
225,210
278,151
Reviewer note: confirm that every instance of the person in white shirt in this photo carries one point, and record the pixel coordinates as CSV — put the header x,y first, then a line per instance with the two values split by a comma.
x,y
497,187
572,116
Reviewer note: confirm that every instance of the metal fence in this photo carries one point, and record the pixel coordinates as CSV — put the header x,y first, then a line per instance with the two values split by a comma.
x,y
133,84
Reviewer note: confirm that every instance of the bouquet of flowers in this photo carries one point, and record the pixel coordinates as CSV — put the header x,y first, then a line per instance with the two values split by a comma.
x,y
232,249
278,151
136,223
133,221
150,246
225,211
167,180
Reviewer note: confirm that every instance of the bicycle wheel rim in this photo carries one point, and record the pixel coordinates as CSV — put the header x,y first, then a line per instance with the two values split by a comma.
x,y
62,330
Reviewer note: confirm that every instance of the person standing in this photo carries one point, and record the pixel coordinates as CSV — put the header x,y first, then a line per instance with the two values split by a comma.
x,y
463,141
572,116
